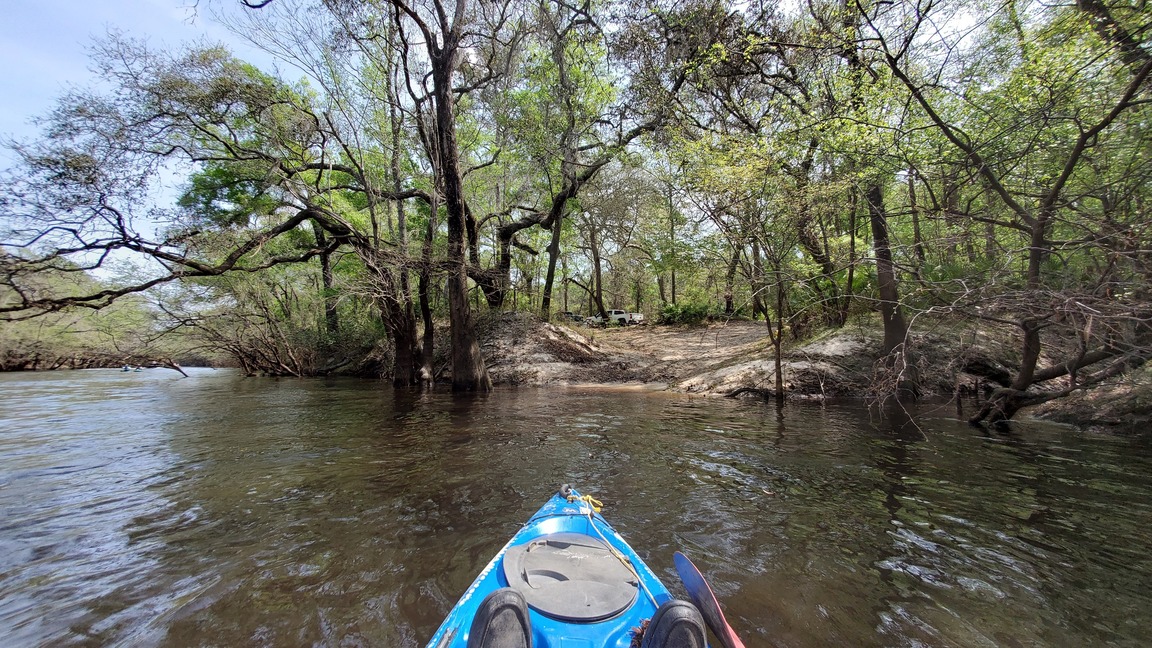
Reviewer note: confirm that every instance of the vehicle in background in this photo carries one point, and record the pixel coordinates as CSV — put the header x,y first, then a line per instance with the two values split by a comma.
x,y
616,317
571,317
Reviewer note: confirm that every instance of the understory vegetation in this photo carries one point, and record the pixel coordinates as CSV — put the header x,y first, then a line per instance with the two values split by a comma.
x,y
419,161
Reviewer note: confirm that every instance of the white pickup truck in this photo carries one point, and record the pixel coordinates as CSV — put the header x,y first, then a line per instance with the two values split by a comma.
x,y
616,317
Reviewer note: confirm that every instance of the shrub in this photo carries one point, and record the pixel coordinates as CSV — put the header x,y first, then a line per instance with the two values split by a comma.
x,y
690,314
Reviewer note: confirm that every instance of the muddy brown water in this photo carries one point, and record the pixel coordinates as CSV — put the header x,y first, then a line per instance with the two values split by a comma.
x,y
143,509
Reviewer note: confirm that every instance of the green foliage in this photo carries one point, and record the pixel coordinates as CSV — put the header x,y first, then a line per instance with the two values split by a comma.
x,y
126,331
686,314
275,322
752,178
225,196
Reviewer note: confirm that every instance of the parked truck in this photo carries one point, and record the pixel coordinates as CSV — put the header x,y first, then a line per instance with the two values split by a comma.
x,y
616,317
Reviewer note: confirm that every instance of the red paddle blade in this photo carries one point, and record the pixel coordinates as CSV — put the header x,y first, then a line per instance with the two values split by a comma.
x,y
705,600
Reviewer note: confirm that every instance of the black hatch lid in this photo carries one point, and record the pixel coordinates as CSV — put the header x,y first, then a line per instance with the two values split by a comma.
x,y
571,577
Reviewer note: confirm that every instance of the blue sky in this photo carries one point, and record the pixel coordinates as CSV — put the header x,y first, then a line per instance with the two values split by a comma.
x,y
44,44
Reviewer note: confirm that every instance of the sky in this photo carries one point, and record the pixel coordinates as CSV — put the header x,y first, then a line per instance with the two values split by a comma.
x,y
44,45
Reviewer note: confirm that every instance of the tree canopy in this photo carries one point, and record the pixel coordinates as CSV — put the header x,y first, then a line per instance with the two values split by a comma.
x,y
807,164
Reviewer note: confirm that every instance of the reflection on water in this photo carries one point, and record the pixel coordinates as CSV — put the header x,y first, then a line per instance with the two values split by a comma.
x,y
144,509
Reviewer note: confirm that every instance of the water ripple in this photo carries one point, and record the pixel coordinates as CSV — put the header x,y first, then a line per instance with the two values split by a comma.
x,y
142,509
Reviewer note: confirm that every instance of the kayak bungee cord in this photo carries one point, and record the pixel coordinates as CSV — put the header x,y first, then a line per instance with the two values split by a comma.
x,y
595,506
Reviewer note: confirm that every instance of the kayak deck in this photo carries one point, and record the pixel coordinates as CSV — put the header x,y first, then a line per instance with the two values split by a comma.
x,y
585,587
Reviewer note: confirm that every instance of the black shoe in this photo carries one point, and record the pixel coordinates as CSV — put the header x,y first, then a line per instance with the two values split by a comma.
x,y
501,621
677,624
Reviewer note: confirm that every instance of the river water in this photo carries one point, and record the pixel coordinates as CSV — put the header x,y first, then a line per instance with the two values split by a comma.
x,y
143,509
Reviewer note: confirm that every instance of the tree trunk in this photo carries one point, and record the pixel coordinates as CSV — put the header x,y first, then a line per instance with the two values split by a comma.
x,y
407,363
564,283
549,278
407,353
331,317
846,302
820,252
496,282
917,239
1004,403
406,350
895,328
730,283
779,339
777,336
427,346
758,284
468,370
597,275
